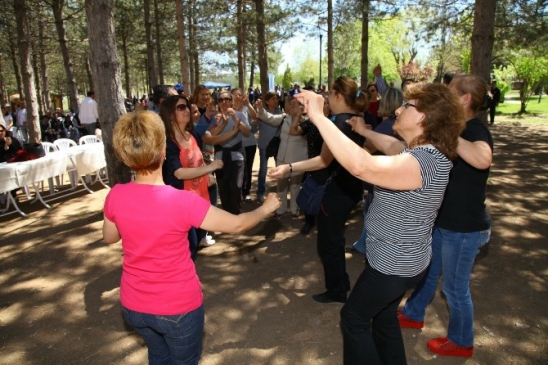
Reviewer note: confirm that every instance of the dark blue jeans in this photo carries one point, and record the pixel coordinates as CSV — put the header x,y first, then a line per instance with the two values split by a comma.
x,y
170,339
371,332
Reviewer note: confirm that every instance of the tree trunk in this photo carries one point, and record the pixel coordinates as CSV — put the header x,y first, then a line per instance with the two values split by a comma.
x,y
126,66
240,43
330,57
13,55
105,66
483,37
482,42
46,96
152,79
33,124
88,72
158,42
261,46
35,63
183,54
365,44
3,93
57,7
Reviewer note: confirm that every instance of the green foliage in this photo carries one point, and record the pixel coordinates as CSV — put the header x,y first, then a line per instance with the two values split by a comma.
x,y
288,78
530,69
347,49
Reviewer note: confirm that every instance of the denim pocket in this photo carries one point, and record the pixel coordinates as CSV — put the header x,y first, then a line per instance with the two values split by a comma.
x,y
172,319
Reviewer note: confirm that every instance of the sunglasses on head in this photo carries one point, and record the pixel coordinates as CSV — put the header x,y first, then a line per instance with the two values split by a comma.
x,y
181,107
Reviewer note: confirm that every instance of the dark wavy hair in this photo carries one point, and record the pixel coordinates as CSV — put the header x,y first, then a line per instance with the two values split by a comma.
x,y
443,116
167,113
349,90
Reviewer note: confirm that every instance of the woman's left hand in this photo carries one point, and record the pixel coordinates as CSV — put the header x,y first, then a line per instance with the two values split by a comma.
x,y
278,172
313,103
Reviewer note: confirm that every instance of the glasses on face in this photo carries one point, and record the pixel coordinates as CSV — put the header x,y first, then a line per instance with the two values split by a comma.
x,y
223,100
181,107
407,104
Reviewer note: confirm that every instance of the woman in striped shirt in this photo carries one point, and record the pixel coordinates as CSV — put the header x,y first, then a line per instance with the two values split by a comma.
x,y
409,185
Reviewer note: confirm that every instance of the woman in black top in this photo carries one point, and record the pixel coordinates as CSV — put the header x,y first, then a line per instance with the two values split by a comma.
x,y
341,195
8,145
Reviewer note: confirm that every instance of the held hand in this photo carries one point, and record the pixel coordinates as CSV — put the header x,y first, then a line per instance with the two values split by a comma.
x,y
278,172
259,104
358,125
271,202
216,165
231,112
313,103
8,141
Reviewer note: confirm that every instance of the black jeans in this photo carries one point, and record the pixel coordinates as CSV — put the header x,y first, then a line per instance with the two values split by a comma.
x,y
248,170
229,182
369,323
331,221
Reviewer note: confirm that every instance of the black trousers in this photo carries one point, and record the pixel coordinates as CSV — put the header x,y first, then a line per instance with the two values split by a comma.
x,y
369,322
229,182
331,221
248,169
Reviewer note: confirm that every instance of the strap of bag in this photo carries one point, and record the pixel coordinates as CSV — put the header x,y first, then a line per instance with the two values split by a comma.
x,y
333,174
279,130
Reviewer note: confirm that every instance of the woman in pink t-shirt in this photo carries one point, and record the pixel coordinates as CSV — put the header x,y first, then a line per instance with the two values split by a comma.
x,y
160,291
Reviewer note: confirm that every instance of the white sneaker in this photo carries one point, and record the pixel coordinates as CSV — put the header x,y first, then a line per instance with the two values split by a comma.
x,y
207,241
247,198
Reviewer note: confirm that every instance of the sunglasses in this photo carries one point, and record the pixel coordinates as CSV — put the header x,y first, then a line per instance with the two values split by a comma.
x,y
181,107
224,99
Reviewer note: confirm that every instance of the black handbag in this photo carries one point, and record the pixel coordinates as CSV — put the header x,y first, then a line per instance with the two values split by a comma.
x,y
311,195
274,144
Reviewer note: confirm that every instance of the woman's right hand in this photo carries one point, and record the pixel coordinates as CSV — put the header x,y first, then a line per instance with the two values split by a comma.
x,y
272,202
358,125
216,165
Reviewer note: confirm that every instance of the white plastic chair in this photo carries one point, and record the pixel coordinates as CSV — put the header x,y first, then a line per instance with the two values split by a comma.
x,y
88,139
64,143
48,148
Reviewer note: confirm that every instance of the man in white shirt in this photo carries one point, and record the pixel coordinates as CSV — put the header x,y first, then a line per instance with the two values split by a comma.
x,y
88,114
22,121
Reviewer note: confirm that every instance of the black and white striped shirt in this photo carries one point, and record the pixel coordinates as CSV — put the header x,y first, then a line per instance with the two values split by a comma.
x,y
399,223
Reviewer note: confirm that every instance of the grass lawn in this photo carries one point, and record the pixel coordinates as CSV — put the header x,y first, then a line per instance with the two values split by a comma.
x,y
536,112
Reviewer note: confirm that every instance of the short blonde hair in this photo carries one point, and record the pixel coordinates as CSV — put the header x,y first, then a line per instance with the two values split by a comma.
x,y
139,140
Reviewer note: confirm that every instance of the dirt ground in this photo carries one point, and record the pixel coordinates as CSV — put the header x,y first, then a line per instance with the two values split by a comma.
x,y
59,283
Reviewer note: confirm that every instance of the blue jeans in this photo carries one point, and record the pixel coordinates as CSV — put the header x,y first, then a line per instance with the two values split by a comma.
x,y
359,245
263,167
170,339
453,255
90,128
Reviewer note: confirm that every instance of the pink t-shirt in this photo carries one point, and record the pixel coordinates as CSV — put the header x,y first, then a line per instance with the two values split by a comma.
x,y
158,275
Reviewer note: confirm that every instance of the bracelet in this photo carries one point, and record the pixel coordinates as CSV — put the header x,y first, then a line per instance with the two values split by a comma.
x,y
290,167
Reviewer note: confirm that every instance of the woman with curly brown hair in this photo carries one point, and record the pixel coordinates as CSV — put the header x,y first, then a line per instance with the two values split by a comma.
x,y
461,228
409,186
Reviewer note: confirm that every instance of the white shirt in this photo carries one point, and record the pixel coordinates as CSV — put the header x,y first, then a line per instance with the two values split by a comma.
x,y
88,111
21,116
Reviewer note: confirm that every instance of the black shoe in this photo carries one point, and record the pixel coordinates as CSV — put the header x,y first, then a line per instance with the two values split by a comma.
x,y
306,228
326,298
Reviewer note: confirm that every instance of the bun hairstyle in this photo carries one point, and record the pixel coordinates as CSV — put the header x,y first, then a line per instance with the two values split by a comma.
x,y
473,85
353,96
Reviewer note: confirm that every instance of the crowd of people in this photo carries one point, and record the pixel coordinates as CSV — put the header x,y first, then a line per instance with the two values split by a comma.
x,y
418,157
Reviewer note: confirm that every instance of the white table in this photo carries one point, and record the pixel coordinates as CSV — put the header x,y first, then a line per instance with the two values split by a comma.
x,y
86,159
20,174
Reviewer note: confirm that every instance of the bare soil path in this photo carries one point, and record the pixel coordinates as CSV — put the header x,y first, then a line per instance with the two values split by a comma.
x,y
59,284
